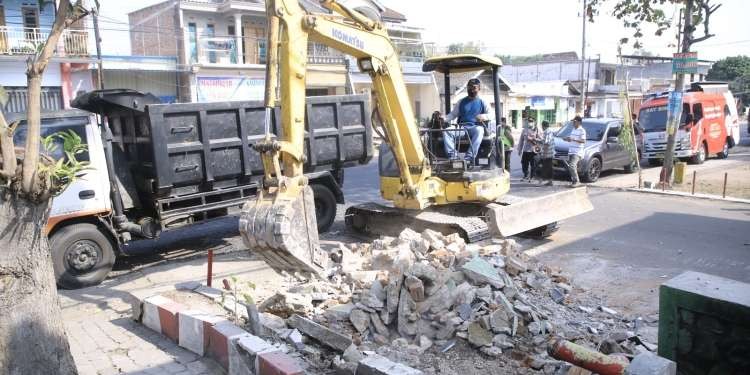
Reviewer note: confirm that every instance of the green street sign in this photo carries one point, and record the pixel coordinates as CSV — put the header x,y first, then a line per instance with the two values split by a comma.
x,y
685,63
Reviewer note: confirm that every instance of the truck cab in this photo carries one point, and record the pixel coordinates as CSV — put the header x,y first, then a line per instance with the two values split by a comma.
x,y
709,124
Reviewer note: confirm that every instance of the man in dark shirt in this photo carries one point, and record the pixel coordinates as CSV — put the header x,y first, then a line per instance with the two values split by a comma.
x,y
470,112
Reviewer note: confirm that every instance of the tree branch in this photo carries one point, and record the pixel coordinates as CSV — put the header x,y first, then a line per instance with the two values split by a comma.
x,y
66,15
705,6
698,40
7,149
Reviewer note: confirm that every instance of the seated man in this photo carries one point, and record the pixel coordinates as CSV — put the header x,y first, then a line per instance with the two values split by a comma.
x,y
470,112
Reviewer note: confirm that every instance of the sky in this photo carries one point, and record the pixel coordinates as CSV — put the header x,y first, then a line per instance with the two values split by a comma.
x,y
510,27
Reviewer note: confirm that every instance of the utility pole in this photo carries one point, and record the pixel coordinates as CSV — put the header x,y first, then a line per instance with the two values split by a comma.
x,y
583,59
99,73
674,121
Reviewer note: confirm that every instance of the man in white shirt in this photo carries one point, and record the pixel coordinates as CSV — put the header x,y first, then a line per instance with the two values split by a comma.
x,y
577,139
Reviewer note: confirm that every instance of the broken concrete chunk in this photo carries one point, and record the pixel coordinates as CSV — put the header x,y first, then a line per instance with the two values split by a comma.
x,y
339,312
406,326
295,339
415,287
478,336
500,321
502,341
557,295
352,354
607,310
378,365
360,320
481,272
492,351
649,364
515,266
378,325
323,334
464,294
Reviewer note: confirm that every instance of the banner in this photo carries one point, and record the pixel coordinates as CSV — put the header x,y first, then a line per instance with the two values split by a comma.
x,y
218,89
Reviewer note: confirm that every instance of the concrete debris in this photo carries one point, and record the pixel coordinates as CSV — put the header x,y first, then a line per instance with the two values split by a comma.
x,y
360,320
408,294
324,335
651,364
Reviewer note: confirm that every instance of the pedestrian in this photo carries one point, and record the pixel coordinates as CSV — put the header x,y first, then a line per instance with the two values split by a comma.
x,y
528,147
506,137
547,154
471,112
577,139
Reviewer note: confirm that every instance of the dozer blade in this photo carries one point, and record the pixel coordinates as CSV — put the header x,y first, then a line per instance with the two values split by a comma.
x,y
520,214
283,231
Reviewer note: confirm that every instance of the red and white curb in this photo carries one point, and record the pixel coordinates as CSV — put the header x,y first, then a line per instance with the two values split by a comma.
x,y
238,351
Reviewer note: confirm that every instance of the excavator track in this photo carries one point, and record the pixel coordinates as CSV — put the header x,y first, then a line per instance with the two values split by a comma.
x,y
377,219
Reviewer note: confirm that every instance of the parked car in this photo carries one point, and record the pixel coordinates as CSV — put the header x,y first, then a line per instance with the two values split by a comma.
x,y
603,150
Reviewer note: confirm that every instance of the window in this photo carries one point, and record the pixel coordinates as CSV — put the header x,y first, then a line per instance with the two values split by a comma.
x,y
210,34
230,30
19,137
697,112
609,76
193,35
30,17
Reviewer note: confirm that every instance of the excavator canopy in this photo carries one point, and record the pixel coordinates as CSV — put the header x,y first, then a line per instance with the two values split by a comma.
x,y
460,63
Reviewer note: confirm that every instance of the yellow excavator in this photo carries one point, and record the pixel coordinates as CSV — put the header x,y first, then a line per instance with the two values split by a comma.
x,y
427,189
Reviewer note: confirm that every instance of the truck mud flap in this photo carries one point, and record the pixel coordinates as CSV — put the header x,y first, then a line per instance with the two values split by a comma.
x,y
515,215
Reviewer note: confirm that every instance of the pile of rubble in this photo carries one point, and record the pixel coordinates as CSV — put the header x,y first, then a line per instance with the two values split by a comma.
x,y
424,290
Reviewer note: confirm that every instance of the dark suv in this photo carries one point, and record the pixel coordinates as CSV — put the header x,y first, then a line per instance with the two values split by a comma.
x,y
603,150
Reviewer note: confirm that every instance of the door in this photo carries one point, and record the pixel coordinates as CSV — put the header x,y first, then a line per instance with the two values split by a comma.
x,y
614,154
210,33
715,131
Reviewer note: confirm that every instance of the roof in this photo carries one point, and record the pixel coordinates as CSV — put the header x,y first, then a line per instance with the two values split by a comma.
x,y
390,15
460,63
559,56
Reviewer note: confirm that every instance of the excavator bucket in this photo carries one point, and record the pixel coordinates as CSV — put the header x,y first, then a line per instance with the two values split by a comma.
x,y
517,213
283,231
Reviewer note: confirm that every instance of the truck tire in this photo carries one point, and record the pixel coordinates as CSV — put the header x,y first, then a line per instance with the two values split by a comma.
x,y
81,255
700,156
724,153
325,207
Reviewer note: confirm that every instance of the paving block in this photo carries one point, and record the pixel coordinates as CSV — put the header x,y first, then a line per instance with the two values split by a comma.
x,y
650,364
702,320
222,342
378,365
249,347
278,363
193,330
160,314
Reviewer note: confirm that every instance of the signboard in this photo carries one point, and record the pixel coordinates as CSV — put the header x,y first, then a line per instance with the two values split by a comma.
x,y
217,89
685,63
674,107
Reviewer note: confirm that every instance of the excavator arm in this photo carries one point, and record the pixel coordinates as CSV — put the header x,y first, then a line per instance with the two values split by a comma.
x,y
280,224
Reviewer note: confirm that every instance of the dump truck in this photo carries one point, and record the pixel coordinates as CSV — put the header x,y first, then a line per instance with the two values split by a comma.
x,y
155,167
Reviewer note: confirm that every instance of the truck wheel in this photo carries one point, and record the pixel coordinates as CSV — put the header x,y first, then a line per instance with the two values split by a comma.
x,y
724,153
81,255
325,207
700,157
593,171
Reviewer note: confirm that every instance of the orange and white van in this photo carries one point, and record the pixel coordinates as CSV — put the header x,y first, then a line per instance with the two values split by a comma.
x,y
709,124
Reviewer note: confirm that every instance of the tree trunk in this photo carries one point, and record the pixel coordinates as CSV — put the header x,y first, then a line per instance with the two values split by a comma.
x,y
33,129
33,339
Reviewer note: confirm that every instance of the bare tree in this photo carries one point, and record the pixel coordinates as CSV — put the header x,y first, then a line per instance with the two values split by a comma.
x,y
634,14
32,335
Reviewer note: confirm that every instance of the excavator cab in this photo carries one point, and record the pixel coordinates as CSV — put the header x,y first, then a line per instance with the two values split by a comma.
x,y
490,155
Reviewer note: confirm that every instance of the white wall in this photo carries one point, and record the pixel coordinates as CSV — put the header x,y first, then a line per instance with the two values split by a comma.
x,y
13,73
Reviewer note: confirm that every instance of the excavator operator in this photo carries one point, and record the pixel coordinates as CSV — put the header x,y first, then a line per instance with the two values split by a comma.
x,y
472,112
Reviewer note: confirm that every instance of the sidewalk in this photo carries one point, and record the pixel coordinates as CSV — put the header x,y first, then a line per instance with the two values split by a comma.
x,y
105,340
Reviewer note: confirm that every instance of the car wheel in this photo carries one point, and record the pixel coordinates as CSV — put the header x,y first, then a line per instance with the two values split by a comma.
x,y
81,255
724,151
700,157
593,171
325,207
655,162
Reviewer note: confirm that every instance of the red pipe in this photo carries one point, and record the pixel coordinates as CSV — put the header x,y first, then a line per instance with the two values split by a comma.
x,y
209,275
591,360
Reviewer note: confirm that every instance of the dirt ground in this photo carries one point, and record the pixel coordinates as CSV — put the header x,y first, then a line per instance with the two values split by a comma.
x,y
712,181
